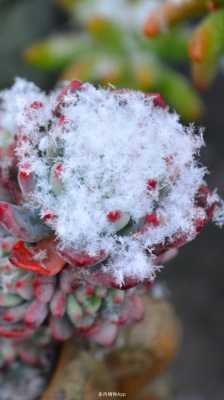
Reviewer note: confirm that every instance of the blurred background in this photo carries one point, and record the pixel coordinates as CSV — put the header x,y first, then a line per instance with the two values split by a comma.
x,y
41,41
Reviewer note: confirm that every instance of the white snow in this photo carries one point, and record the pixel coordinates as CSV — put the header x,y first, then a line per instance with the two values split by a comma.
x,y
105,146
12,102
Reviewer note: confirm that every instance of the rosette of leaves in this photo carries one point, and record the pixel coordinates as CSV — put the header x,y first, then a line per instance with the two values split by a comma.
x,y
110,48
32,351
37,303
206,44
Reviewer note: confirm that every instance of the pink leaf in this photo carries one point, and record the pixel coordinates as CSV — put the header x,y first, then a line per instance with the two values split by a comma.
x,y
58,303
44,288
61,329
82,259
22,223
105,334
36,314
41,258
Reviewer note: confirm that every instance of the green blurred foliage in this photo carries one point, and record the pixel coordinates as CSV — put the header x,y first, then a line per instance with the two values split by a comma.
x,y
106,51
207,48
206,45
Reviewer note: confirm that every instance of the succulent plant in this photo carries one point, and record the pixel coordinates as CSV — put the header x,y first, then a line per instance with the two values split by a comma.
x,y
206,45
108,187
101,187
110,47
18,341
34,308
31,351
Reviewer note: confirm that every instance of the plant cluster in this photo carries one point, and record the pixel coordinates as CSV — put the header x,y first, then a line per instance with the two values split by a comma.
x,y
106,44
98,188
206,44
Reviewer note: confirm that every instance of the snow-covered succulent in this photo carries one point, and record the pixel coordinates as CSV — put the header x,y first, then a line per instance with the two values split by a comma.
x,y
108,187
114,175
11,103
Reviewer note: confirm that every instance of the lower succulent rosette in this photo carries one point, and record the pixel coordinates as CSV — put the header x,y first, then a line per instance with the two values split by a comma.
x,y
113,175
33,350
35,308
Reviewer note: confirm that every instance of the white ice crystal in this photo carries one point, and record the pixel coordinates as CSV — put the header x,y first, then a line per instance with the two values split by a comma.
x,y
94,154
218,217
12,102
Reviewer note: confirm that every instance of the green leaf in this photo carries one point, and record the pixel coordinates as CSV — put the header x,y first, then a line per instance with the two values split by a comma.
x,y
170,46
207,47
58,51
74,310
9,300
179,94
